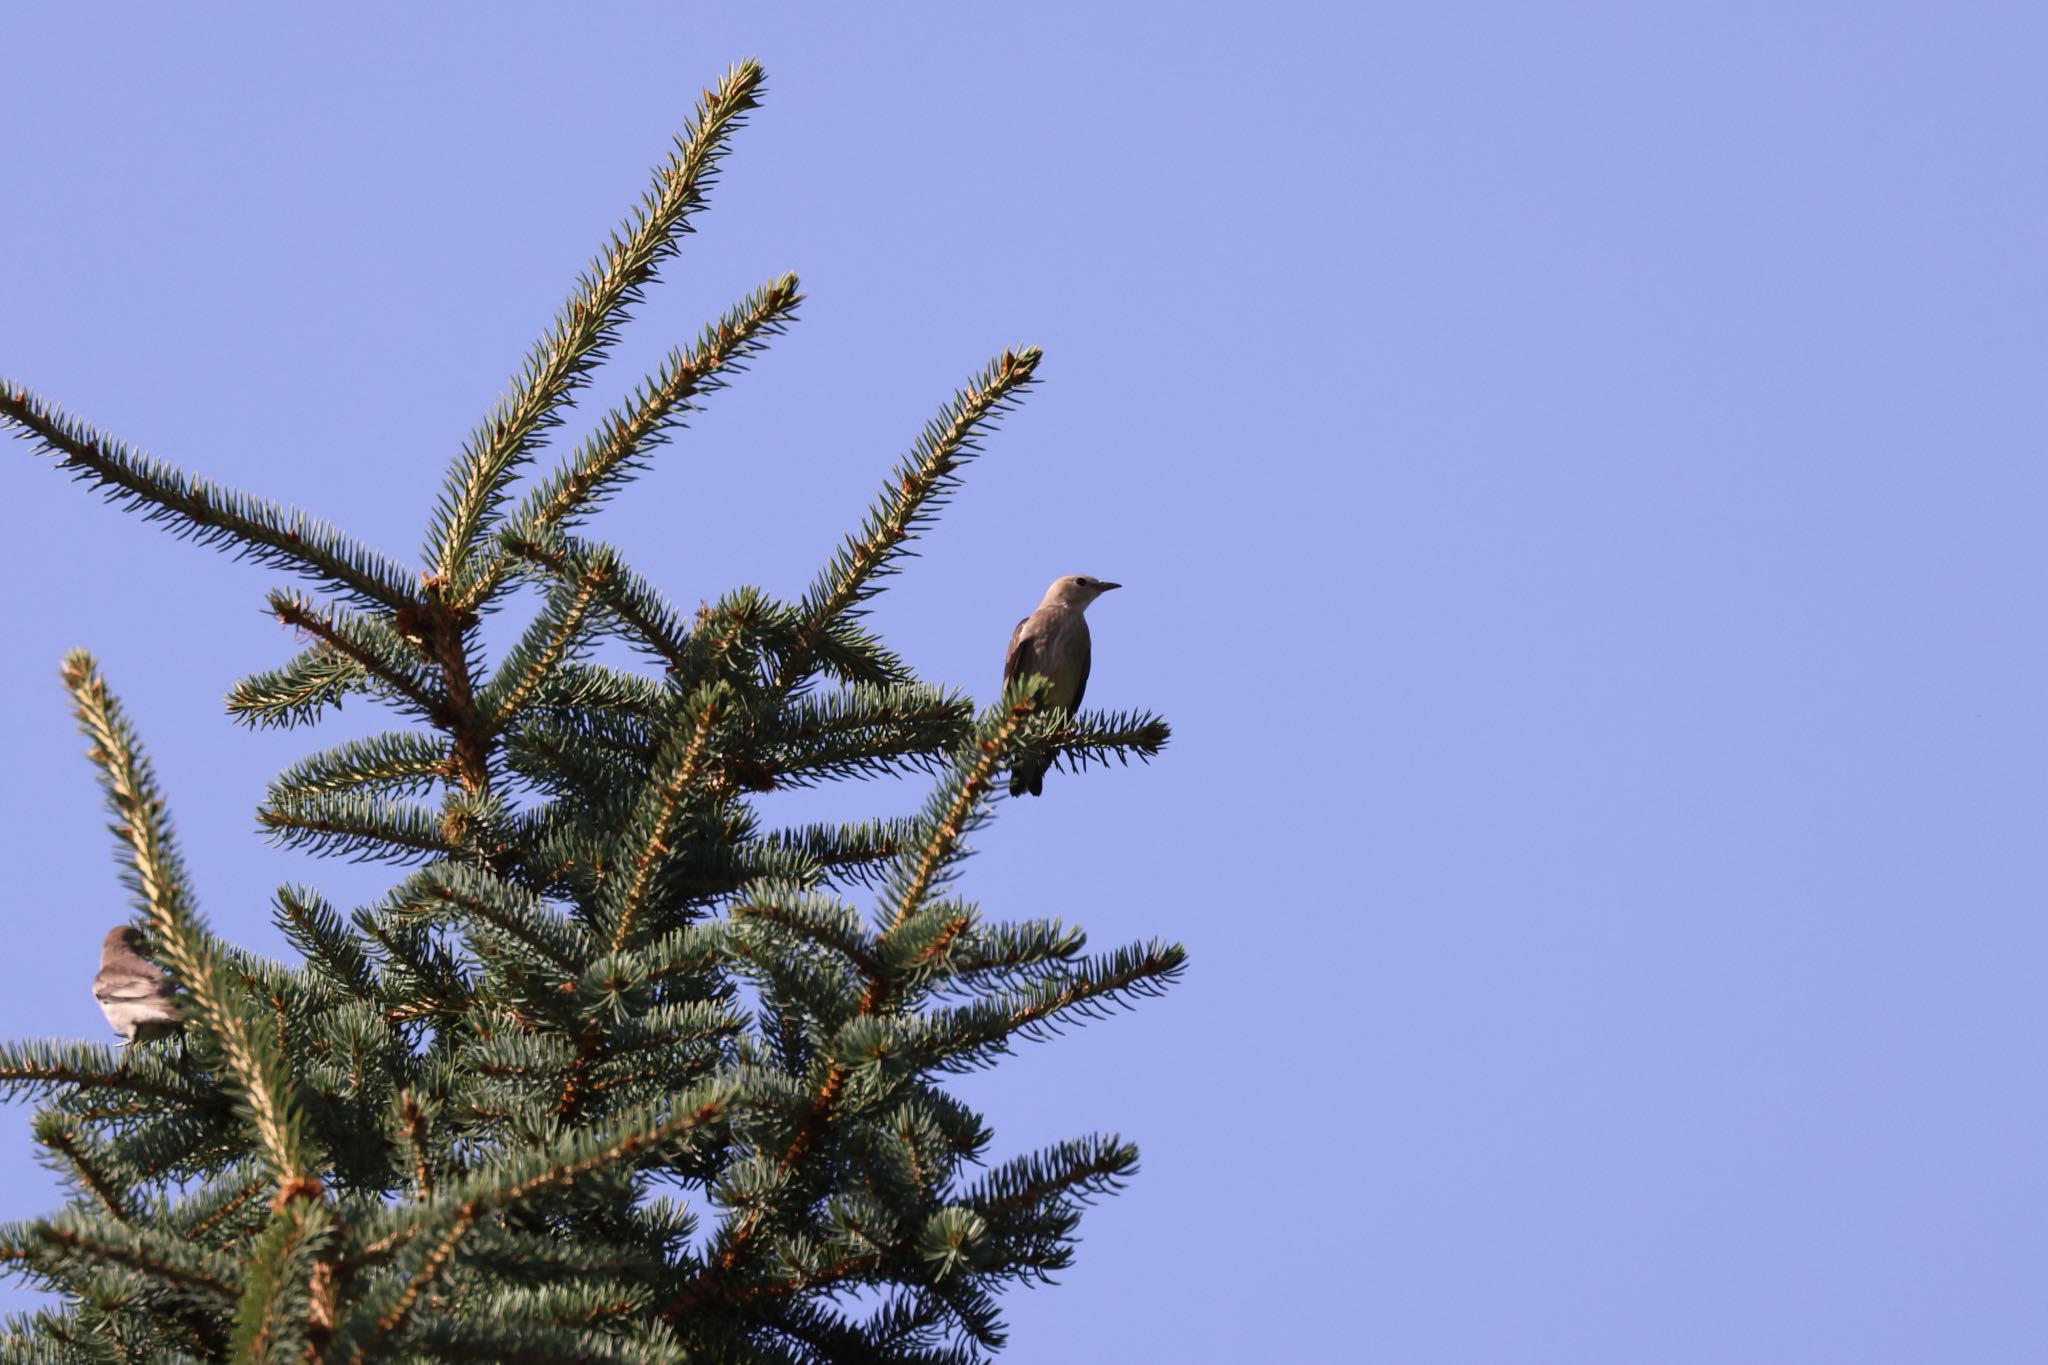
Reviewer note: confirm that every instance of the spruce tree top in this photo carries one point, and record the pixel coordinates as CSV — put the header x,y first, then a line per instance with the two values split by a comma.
x,y
616,1072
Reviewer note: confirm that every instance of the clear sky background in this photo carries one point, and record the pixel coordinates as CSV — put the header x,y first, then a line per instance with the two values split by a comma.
x,y
1578,473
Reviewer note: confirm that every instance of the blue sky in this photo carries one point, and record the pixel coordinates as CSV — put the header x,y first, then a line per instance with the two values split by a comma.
x,y
1577,473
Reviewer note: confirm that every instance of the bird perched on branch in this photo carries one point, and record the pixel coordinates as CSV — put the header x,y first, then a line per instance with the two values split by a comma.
x,y
1053,643
133,992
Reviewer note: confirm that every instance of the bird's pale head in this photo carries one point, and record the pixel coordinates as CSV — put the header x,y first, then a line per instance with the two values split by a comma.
x,y
1076,590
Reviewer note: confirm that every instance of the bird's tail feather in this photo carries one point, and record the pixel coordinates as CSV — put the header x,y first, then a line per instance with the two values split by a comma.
x,y
1027,777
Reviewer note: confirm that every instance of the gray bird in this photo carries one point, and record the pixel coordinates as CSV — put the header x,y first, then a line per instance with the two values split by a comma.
x,y
1053,642
133,992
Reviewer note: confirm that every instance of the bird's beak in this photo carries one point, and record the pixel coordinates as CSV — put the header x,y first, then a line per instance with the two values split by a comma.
x,y
1105,587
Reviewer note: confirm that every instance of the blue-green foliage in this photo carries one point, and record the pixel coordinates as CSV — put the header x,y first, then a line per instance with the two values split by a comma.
x,y
616,1071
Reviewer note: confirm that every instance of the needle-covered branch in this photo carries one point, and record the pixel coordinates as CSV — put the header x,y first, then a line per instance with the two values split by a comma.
x,y
477,896
645,617
587,327
648,1136
960,803
863,731
353,825
923,482
780,911
159,1264
82,1160
630,433
41,1068
278,1317
391,665
852,851
1103,737
397,762
643,848
242,1035
1038,1198
973,1035
198,509
299,691
555,637
332,953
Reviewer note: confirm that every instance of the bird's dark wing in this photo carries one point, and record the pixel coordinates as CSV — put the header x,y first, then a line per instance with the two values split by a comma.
x,y
1018,661
1081,681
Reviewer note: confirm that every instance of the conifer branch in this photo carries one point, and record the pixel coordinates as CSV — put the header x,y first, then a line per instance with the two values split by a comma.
x,y
275,1320
729,640
633,1138
971,1035
364,828
548,642
851,653
599,695
923,945
961,803
39,1068
237,1199
654,624
159,880
588,326
64,1140
488,1341
395,762
816,919
850,851
201,510
414,1118
677,772
1006,952
1070,1170
310,923
681,952
651,623
952,813
152,1255
420,973
1098,737
368,642
394,1318
630,433
904,1324
863,730
154,872
483,896
566,761
922,483
296,692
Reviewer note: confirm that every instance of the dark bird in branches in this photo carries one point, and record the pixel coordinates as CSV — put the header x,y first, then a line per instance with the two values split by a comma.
x,y
1053,643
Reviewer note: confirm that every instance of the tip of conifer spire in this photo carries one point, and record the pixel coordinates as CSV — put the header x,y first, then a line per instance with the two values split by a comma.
x,y
78,667
742,82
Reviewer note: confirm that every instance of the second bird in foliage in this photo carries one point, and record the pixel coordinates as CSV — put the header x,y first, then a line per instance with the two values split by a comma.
x,y
132,991
1053,643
